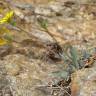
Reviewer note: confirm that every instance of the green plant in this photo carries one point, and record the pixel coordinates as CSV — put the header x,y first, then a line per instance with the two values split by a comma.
x,y
72,61
74,57
43,23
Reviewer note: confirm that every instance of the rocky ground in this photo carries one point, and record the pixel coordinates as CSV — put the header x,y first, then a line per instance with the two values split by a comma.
x,y
44,31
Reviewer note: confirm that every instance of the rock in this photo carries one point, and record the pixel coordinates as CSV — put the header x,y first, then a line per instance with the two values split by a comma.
x,y
84,82
34,1
5,50
4,83
12,69
43,36
56,6
13,65
25,74
68,22
42,10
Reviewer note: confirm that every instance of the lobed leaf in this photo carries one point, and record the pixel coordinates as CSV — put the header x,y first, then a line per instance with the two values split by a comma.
x,y
74,57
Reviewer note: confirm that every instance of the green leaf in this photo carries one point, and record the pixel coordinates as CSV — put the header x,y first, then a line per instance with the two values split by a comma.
x,y
85,54
61,74
8,37
74,57
13,23
43,23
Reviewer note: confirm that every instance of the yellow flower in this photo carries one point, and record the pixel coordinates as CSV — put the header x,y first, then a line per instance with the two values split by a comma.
x,y
2,41
7,17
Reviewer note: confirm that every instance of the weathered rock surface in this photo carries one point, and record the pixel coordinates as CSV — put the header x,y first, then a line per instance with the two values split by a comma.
x,y
25,74
69,21
4,82
65,18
